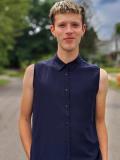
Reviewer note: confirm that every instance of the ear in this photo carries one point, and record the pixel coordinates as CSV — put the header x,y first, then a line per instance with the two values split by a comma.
x,y
84,28
52,29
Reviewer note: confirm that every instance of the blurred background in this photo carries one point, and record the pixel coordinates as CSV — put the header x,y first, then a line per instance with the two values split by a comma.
x,y
25,38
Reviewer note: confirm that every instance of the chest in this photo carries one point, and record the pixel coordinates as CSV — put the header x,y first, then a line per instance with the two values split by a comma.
x,y
79,84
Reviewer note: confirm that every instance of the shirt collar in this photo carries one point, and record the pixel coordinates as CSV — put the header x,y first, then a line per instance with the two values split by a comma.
x,y
60,64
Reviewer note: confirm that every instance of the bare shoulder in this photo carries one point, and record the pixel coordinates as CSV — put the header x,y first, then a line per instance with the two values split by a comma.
x,y
103,83
28,75
30,69
103,74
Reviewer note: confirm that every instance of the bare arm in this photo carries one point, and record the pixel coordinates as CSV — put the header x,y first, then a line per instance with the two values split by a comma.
x,y
100,114
26,110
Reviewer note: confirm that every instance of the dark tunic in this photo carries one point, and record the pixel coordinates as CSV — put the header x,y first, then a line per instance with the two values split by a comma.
x,y
64,103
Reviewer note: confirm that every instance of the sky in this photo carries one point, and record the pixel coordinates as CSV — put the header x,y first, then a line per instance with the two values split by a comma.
x,y
106,13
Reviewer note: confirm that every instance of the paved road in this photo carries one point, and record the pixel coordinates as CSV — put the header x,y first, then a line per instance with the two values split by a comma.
x,y
10,145
113,123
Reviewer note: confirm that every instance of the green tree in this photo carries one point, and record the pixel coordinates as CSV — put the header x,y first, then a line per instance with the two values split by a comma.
x,y
117,37
87,46
37,39
117,28
13,18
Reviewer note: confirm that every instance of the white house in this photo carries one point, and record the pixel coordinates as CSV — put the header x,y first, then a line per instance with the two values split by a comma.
x,y
109,46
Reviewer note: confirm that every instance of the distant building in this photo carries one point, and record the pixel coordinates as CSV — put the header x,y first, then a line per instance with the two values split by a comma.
x,y
110,48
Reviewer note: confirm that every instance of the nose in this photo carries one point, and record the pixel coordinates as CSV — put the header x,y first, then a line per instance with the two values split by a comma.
x,y
69,29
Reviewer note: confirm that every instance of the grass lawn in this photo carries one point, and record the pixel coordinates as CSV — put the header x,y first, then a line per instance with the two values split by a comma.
x,y
114,85
3,82
112,69
13,73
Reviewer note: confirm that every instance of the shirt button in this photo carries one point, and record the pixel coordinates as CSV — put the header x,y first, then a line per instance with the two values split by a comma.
x,y
66,89
66,74
66,106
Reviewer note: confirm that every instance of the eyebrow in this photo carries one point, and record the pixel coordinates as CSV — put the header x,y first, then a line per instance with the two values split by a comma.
x,y
70,22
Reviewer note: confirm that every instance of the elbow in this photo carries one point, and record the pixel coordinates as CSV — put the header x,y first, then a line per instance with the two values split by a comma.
x,y
23,120
100,124
100,121
24,117
23,123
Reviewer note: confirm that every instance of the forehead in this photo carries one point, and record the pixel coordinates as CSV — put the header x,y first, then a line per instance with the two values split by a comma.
x,y
67,17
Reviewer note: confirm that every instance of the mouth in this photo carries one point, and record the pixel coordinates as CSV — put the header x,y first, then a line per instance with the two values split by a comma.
x,y
69,38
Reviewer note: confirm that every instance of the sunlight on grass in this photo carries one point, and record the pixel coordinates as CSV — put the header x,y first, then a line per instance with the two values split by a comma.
x,y
13,73
112,69
3,82
114,85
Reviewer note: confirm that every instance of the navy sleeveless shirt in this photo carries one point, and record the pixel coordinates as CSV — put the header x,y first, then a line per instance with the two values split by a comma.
x,y
64,103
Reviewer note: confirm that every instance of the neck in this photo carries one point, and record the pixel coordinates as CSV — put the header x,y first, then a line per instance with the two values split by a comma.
x,y
66,56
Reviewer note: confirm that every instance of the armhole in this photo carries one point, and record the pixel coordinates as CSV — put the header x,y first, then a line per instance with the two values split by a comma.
x,y
98,79
34,76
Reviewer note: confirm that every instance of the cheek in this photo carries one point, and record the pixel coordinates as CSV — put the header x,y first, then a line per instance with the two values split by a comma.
x,y
60,32
59,35
79,35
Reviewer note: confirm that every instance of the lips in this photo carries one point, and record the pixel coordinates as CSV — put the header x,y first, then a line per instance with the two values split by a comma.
x,y
69,38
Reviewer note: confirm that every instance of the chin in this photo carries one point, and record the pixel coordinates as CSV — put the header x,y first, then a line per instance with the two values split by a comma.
x,y
69,49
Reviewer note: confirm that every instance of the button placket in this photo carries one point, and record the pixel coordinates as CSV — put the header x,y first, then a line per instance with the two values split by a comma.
x,y
67,92
67,109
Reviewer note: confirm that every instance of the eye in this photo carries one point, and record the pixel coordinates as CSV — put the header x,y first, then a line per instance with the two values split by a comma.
x,y
61,25
75,25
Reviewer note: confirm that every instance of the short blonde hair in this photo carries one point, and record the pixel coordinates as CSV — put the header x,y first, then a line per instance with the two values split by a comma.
x,y
66,6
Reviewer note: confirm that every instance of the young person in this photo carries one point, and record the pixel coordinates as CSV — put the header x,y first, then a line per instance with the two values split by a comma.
x,y
66,97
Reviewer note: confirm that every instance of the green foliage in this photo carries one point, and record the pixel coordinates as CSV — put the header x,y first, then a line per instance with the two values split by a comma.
x,y
24,64
13,73
37,38
117,28
114,85
1,70
3,57
45,56
102,60
12,18
112,69
87,46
